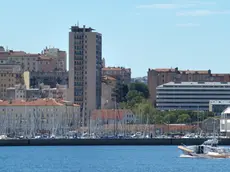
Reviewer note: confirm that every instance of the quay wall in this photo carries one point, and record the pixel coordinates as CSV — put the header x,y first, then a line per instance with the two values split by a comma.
x,y
108,142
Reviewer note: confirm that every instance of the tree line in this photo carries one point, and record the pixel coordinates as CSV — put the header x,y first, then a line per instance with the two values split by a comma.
x,y
135,96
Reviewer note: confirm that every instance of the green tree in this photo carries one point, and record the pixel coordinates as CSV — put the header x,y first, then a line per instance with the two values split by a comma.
x,y
145,112
183,118
140,87
119,92
134,97
170,118
158,118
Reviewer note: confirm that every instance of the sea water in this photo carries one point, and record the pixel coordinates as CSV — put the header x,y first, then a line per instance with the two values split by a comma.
x,y
104,159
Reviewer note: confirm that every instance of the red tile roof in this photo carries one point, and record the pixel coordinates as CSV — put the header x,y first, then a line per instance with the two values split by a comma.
x,y
116,69
44,57
109,78
164,69
38,102
186,71
22,54
109,114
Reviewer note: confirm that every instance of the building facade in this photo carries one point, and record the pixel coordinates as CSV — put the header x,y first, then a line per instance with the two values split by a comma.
x,y
107,89
29,118
210,125
10,75
117,118
218,106
85,63
49,60
27,61
48,78
59,56
225,122
158,77
121,74
190,95
21,92
3,55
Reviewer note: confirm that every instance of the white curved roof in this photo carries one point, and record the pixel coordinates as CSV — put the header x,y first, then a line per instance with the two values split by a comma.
x,y
227,111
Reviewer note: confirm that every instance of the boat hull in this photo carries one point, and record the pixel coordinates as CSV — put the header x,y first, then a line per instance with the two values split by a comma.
x,y
187,151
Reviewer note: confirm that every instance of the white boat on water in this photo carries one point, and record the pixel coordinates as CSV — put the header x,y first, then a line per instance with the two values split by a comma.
x,y
209,149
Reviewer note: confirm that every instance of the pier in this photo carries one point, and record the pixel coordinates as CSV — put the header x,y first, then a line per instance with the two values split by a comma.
x,y
106,142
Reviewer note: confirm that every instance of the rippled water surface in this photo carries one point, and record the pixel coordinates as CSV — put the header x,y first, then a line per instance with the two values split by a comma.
x,y
104,159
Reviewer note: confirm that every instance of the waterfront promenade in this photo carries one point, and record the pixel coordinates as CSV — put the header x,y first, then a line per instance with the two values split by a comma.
x,y
104,142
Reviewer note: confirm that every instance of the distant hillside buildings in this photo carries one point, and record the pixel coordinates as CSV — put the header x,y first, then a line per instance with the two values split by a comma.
x,y
158,77
19,67
121,74
143,79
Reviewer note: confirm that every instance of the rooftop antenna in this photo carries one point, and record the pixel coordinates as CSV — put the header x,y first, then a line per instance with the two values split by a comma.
x,y
78,23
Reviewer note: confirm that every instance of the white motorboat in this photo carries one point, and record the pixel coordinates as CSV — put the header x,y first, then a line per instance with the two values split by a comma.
x,y
209,149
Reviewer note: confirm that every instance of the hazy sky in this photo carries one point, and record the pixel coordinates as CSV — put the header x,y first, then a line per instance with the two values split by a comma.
x,y
139,34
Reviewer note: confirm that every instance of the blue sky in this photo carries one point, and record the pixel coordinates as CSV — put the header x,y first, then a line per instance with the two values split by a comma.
x,y
140,34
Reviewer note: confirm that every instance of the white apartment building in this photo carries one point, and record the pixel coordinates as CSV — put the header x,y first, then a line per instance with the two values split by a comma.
x,y
20,117
225,121
85,63
190,95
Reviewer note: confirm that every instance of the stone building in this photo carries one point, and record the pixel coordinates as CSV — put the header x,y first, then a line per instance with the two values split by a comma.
x,y
121,74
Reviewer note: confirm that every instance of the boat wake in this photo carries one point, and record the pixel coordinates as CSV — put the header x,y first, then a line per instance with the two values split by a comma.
x,y
203,157
186,156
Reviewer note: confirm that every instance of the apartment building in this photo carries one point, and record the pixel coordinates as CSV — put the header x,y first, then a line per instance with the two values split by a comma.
x,y
59,92
48,61
190,95
10,74
218,106
158,77
48,78
121,74
28,118
225,122
85,60
58,55
27,61
3,55
21,92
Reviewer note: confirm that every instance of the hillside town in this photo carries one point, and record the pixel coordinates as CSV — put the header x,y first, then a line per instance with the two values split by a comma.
x,y
42,94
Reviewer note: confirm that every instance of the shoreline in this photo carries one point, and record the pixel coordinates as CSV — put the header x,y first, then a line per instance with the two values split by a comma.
x,y
107,142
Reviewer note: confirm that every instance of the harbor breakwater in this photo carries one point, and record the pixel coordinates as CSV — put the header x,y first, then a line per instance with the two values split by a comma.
x,y
104,142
